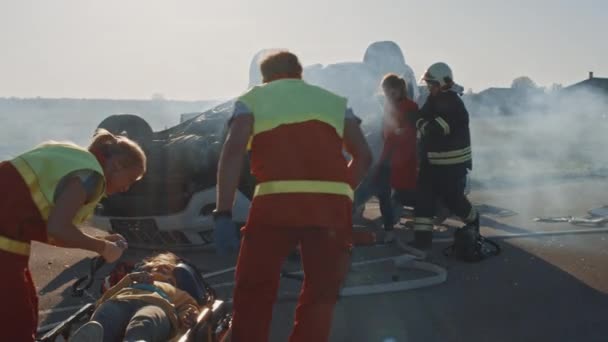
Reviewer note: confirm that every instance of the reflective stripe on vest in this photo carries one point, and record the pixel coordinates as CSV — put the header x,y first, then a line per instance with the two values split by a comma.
x,y
293,101
272,105
43,168
14,246
303,186
28,175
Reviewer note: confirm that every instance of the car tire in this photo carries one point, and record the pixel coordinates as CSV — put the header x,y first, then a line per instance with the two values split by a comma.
x,y
132,126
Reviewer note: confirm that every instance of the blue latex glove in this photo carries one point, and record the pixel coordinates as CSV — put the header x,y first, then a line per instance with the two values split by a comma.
x,y
226,236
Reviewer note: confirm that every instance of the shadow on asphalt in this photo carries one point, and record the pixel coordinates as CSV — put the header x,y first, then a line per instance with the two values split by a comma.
x,y
515,296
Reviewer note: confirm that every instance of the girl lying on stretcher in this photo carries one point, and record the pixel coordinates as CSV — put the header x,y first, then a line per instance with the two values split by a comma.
x,y
145,305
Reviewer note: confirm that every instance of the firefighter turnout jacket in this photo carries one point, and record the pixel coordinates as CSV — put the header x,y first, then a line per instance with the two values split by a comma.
x,y
443,128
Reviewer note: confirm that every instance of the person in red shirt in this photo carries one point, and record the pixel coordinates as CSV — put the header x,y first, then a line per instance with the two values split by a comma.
x,y
393,180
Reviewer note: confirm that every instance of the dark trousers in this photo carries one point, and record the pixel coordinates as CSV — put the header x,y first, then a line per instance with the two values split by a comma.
x,y
378,184
132,320
445,183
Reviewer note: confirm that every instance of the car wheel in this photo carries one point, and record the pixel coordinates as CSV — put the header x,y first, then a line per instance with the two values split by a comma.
x,y
130,125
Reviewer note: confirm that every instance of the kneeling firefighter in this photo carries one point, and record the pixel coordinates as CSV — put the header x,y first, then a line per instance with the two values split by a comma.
x,y
303,197
443,128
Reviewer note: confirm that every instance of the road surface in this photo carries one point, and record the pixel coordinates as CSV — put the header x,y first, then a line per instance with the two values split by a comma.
x,y
548,287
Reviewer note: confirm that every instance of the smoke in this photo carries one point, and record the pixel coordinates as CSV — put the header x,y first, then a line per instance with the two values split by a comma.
x,y
537,139
358,81
546,137
25,123
520,135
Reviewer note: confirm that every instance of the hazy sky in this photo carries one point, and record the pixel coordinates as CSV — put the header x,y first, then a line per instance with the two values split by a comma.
x,y
187,49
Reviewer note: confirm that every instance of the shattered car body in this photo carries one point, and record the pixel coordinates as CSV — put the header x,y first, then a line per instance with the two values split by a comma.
x,y
171,206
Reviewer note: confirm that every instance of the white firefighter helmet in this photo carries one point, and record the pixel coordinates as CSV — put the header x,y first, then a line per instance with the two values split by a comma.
x,y
440,73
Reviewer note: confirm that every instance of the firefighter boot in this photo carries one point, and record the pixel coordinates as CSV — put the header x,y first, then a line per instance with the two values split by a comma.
x,y
474,224
422,239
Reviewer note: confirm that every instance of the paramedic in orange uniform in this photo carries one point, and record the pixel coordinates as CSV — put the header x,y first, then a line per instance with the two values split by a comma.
x,y
296,133
46,192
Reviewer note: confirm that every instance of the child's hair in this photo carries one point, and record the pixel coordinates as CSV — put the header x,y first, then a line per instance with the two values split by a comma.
x,y
110,145
393,81
163,259
282,64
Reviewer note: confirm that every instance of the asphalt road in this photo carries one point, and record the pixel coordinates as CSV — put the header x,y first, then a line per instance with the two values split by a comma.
x,y
547,287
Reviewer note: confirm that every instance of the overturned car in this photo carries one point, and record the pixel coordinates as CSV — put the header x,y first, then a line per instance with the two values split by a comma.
x,y
171,206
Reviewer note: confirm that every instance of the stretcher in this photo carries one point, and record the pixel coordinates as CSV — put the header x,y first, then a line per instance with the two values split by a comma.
x,y
213,323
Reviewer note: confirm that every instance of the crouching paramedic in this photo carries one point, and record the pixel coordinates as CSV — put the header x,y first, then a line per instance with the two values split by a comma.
x,y
443,126
304,196
46,192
